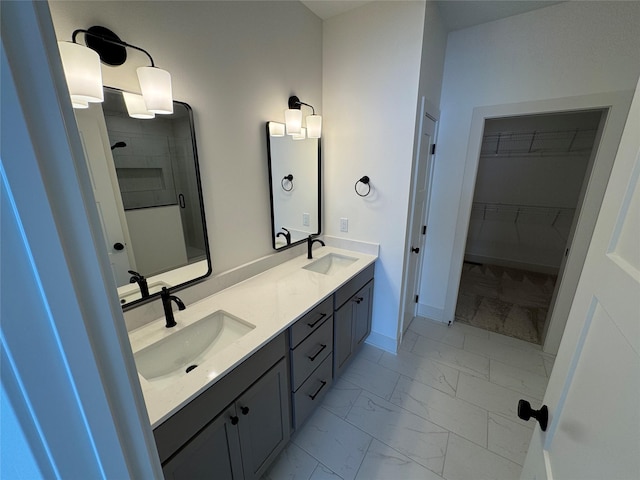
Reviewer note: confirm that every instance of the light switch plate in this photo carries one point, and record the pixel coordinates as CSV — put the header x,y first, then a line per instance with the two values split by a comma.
x,y
305,219
344,224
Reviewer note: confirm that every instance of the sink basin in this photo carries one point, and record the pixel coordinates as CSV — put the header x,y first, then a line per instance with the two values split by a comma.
x,y
330,264
176,354
154,287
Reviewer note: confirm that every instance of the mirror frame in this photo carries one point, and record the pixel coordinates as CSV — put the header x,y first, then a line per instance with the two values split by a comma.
x,y
180,286
273,226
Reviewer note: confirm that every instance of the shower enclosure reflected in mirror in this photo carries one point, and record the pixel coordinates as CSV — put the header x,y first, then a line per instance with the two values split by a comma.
x,y
295,187
149,197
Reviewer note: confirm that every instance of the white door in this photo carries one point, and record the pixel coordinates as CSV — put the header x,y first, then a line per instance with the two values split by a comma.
x,y
593,394
95,142
422,184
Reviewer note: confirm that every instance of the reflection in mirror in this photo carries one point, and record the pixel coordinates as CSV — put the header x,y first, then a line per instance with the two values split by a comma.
x,y
147,187
294,183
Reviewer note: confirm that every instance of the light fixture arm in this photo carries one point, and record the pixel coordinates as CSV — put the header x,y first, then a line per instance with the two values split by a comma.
x,y
103,34
295,103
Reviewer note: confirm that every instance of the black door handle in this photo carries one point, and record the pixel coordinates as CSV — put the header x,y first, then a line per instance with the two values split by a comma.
x,y
118,246
415,249
525,412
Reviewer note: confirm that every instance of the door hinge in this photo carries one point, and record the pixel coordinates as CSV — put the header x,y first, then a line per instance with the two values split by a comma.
x,y
433,148
424,229
566,252
417,298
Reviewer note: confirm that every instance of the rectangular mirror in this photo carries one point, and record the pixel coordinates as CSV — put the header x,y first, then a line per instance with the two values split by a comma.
x,y
147,188
294,185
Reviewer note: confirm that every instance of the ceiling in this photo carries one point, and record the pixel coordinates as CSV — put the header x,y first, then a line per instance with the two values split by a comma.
x,y
456,14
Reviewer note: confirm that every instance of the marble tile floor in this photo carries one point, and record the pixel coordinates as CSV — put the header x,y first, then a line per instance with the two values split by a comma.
x,y
444,407
505,300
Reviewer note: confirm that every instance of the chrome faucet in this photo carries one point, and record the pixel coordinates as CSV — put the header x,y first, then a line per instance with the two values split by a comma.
x,y
167,298
310,243
286,234
141,281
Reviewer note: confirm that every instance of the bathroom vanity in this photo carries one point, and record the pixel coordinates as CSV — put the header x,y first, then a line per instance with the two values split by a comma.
x,y
297,326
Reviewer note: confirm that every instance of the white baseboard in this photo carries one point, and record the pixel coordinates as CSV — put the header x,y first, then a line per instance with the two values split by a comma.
x,y
382,341
432,313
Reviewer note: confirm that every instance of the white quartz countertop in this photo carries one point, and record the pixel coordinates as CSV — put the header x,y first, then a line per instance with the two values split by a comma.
x,y
272,301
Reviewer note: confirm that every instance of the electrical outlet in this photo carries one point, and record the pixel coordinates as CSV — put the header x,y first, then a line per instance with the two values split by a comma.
x,y
305,219
344,224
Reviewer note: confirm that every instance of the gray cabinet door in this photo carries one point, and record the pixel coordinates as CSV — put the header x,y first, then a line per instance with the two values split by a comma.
x,y
342,336
362,315
264,424
213,453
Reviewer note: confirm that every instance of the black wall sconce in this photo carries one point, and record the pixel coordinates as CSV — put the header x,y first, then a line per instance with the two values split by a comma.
x,y
83,72
364,180
293,120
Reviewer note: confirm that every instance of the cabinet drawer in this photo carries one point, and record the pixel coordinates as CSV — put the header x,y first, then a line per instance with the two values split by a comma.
x,y
311,321
311,352
353,285
311,393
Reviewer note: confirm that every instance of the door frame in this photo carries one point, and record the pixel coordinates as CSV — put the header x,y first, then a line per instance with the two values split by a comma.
x,y
617,106
425,109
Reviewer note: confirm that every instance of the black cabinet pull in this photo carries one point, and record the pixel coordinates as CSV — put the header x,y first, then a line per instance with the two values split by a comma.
x,y
358,299
322,347
181,201
525,412
313,397
234,420
118,246
322,315
415,249
244,410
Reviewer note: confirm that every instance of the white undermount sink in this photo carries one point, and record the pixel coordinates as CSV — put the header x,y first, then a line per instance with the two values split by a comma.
x,y
330,263
182,351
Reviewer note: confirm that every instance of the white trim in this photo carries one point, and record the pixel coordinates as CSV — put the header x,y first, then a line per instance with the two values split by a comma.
x,y
618,104
387,344
72,357
432,313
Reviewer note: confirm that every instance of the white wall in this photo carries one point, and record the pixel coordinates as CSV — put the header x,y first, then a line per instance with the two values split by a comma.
x,y
236,64
569,49
371,72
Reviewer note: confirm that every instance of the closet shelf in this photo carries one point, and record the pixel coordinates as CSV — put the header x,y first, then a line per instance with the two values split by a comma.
x,y
538,143
514,213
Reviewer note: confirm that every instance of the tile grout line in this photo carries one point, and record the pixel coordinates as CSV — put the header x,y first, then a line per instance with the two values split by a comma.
x,y
384,443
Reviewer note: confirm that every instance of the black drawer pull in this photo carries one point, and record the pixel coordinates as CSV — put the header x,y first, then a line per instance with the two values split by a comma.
x,y
313,397
244,410
234,420
357,299
322,347
322,315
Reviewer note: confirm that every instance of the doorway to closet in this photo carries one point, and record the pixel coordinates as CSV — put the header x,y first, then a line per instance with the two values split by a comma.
x,y
532,176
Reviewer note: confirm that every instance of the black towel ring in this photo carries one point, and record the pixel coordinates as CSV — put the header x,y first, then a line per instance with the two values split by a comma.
x,y
288,178
364,180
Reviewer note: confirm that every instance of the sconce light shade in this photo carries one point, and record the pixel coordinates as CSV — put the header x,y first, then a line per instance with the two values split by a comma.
x,y
83,73
276,129
136,106
293,120
300,136
314,126
155,85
